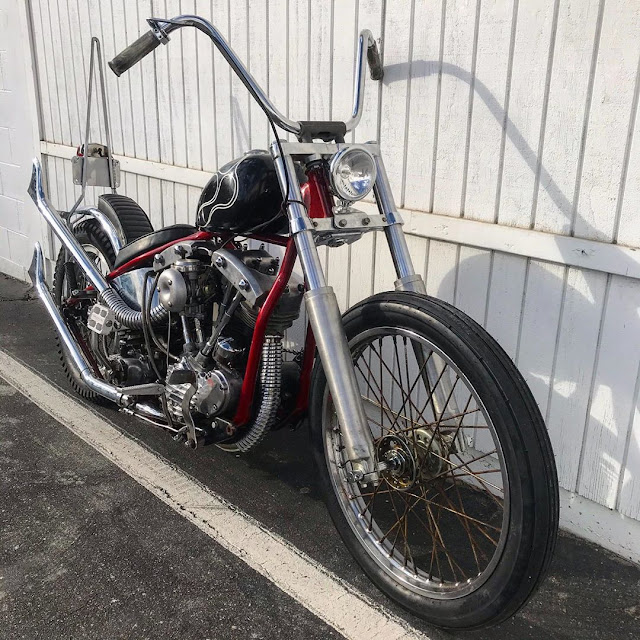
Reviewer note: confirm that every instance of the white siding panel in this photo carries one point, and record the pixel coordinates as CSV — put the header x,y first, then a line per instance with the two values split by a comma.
x,y
540,316
474,270
278,50
222,80
629,229
504,306
206,93
423,106
239,40
258,65
613,91
533,50
453,110
570,386
629,499
191,89
441,270
320,56
361,269
396,91
487,118
577,22
612,394
299,87
384,274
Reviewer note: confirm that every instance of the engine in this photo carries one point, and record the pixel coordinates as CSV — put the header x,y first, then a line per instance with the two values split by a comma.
x,y
219,293
217,386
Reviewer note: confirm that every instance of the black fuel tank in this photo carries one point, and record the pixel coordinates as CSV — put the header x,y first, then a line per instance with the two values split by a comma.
x,y
243,195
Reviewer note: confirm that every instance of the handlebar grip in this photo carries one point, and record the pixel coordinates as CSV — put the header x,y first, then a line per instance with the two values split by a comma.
x,y
375,62
137,50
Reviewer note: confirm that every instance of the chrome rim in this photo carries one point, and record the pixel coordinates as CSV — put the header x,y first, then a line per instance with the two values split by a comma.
x,y
437,521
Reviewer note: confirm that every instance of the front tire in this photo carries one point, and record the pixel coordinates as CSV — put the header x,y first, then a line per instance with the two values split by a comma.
x,y
461,528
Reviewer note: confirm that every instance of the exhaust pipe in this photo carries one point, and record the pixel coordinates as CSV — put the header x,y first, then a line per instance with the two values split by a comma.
x,y
124,314
36,191
115,394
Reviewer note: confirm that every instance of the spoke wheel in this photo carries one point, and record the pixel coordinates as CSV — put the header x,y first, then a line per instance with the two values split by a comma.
x,y
438,518
461,525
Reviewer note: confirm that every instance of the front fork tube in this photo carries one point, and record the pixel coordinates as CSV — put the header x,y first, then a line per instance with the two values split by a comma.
x,y
326,322
437,386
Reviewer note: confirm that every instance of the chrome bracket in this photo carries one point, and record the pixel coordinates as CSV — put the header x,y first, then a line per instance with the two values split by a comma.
x,y
158,31
252,284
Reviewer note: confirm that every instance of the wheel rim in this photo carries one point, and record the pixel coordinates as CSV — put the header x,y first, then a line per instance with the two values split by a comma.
x,y
438,519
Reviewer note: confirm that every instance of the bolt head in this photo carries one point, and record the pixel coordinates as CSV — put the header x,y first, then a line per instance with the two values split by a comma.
x,y
366,221
342,223
220,262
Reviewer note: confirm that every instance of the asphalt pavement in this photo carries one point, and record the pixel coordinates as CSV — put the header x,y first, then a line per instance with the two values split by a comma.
x,y
86,551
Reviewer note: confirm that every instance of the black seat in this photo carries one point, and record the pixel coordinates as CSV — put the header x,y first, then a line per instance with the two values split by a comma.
x,y
152,241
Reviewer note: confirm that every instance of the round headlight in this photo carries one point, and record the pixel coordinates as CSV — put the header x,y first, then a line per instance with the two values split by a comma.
x,y
353,173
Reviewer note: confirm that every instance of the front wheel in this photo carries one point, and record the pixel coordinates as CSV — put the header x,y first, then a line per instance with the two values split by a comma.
x,y
461,527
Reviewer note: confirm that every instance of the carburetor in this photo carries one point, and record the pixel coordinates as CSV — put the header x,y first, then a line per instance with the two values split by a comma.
x,y
178,286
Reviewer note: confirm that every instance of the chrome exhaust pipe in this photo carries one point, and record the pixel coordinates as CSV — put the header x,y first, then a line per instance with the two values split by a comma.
x,y
124,314
60,228
115,394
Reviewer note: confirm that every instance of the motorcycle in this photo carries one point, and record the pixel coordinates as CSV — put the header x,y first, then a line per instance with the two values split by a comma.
x,y
431,451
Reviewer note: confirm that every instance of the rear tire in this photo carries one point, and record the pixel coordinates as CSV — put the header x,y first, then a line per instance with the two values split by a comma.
x,y
96,242
522,521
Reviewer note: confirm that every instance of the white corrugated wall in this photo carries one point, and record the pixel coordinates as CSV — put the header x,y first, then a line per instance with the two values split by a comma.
x,y
509,132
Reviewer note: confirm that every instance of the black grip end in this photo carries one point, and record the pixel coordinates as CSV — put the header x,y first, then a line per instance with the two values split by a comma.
x,y
375,62
137,50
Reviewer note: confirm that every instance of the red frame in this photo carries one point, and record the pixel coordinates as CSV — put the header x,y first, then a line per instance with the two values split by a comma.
x,y
317,198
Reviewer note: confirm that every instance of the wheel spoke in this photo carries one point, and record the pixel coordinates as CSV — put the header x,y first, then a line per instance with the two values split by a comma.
x,y
437,513
406,396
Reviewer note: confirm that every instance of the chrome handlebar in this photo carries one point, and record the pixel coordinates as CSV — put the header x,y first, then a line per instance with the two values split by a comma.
x,y
377,73
162,28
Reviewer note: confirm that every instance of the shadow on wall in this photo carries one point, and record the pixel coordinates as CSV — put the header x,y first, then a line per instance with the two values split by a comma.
x,y
564,394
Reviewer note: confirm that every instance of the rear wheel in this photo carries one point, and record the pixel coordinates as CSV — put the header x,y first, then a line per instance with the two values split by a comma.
x,y
69,278
461,527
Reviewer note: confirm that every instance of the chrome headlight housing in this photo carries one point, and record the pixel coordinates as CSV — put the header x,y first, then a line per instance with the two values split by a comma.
x,y
353,173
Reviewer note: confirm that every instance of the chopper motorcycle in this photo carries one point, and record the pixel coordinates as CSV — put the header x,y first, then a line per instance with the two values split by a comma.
x,y
431,451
